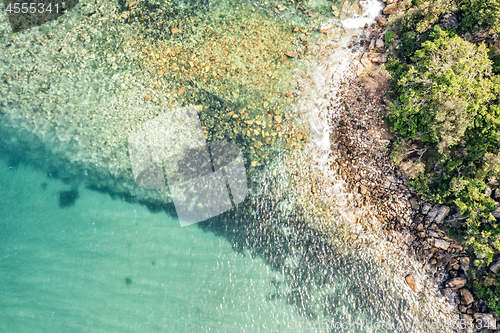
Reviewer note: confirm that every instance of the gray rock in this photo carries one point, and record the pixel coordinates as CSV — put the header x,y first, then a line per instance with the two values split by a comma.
x,y
433,234
467,296
493,182
442,214
425,208
496,213
496,195
487,191
456,283
441,244
382,58
372,44
495,267
449,21
486,319
432,214
392,179
464,264
379,43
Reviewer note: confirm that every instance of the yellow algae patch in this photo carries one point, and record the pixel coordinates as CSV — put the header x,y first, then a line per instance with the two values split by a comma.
x,y
241,60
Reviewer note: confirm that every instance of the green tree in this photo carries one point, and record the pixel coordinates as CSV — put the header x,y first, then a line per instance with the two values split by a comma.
x,y
483,13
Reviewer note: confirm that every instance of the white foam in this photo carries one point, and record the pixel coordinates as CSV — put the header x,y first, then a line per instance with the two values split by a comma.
x,y
371,9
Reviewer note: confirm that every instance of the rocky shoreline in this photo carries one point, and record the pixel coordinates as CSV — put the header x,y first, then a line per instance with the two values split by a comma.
x,y
363,142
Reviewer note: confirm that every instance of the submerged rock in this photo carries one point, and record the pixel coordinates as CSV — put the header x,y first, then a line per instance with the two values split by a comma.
x,y
68,198
410,280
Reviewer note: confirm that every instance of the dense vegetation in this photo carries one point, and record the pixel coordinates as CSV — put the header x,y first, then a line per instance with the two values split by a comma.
x,y
446,112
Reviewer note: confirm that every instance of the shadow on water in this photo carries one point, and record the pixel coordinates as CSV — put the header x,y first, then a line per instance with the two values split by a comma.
x,y
310,263
68,198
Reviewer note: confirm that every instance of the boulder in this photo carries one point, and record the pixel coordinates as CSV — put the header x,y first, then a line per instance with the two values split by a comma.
x,y
410,280
496,195
487,191
442,214
363,189
467,296
487,320
441,244
425,208
432,234
380,59
493,182
495,267
381,21
432,214
372,44
496,213
379,43
390,9
464,264
414,203
456,283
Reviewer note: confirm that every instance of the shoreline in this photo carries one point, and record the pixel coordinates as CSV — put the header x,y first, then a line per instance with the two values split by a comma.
x,y
364,141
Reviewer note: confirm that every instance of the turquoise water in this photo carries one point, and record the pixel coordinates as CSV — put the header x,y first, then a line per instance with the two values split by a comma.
x,y
104,265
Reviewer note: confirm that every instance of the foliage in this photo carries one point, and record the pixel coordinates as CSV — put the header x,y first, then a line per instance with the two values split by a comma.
x,y
389,37
420,15
488,288
447,101
483,13
446,111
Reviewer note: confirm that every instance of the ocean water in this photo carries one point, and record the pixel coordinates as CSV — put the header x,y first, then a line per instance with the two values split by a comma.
x,y
83,249
104,265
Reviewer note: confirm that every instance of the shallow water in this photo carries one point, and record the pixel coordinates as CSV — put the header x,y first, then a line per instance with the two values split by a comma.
x,y
83,249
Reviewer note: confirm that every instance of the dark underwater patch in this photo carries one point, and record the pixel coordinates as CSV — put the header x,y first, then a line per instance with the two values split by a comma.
x,y
68,198
128,281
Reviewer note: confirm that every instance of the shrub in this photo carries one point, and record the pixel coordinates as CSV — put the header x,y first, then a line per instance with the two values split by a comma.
x,y
447,99
484,13
420,16
389,37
